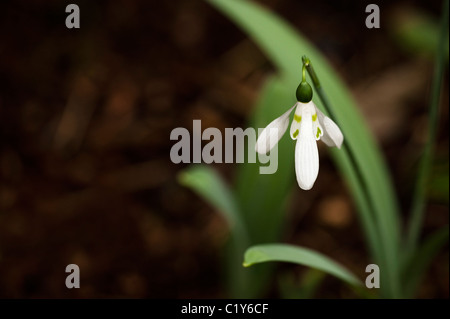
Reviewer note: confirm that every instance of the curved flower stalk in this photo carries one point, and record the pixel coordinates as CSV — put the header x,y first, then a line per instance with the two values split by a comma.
x,y
308,126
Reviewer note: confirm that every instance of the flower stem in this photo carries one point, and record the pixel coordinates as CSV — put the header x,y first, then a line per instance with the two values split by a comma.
x,y
303,73
311,72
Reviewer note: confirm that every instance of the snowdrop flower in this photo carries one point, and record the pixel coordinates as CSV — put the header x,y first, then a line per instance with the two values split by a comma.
x,y
308,126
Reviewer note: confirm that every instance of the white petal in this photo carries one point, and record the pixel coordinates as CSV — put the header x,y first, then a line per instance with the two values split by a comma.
x,y
273,132
306,153
332,135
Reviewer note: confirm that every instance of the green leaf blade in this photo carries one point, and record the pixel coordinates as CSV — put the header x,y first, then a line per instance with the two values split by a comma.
x,y
298,255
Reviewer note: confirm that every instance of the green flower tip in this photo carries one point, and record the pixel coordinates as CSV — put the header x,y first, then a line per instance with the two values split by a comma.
x,y
305,60
304,92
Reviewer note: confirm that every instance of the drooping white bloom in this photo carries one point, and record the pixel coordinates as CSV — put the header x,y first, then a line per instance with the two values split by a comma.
x,y
308,126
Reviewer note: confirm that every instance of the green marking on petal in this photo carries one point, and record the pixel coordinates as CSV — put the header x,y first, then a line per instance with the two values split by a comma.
x,y
295,134
314,117
297,118
318,131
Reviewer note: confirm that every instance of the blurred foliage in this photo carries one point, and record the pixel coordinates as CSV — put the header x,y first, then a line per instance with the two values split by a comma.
x,y
418,33
438,184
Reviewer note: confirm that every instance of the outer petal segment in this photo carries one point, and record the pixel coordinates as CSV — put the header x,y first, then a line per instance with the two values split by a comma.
x,y
273,132
332,135
306,153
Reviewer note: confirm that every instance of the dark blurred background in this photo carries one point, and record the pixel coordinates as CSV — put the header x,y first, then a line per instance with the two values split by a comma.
x,y
85,120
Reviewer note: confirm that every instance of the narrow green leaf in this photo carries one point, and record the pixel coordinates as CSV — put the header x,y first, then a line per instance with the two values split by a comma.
x,y
298,255
418,202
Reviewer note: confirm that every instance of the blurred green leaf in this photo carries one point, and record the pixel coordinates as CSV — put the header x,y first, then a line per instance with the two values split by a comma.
x,y
417,265
298,255
438,185
417,32
438,182
419,198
